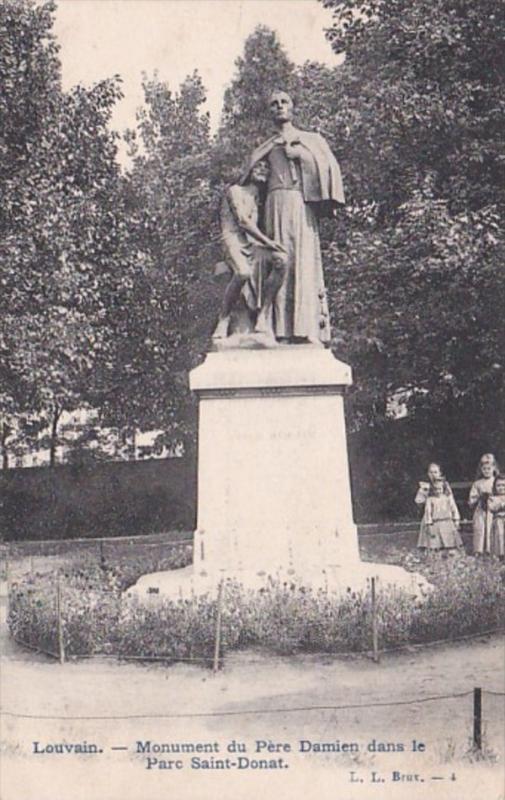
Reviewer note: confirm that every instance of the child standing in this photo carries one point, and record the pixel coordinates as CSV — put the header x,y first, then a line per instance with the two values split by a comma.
x,y
481,490
496,507
425,489
434,471
441,519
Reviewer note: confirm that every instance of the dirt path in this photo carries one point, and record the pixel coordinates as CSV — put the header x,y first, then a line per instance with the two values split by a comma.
x,y
266,689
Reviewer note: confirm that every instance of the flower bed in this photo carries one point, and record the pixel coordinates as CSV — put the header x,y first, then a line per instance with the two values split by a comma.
x,y
96,618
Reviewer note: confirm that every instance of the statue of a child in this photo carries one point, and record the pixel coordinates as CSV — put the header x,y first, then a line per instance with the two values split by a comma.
x,y
256,262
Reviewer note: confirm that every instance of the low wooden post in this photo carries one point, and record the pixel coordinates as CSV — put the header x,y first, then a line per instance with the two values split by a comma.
x,y
59,623
375,631
477,718
217,643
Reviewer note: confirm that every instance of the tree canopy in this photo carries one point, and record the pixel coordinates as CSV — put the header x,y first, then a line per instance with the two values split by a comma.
x,y
106,291
417,289
169,202
64,254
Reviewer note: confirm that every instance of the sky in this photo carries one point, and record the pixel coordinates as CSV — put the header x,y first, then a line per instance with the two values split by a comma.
x,y
101,38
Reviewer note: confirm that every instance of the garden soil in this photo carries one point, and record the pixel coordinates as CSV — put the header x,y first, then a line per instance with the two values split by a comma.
x,y
252,699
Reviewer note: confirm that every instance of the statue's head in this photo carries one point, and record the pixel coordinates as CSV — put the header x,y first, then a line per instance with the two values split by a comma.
x,y
259,172
281,106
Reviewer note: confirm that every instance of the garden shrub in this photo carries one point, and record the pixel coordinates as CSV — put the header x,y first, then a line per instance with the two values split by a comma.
x,y
32,617
286,618
130,568
180,630
468,597
89,601
90,620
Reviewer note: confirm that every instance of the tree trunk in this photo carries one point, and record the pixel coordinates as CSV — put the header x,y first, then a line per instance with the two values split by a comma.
x,y
54,436
5,431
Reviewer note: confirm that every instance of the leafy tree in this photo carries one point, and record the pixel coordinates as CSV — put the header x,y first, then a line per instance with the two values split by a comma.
x,y
170,207
64,259
244,122
418,287
427,81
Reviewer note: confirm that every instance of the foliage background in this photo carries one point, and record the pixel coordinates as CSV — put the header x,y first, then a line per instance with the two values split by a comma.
x,y
106,290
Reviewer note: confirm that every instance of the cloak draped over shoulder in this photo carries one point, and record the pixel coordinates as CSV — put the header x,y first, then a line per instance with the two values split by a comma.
x,y
321,177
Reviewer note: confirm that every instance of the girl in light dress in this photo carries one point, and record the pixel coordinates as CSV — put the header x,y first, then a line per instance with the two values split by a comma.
x,y
434,471
423,492
480,492
496,507
441,519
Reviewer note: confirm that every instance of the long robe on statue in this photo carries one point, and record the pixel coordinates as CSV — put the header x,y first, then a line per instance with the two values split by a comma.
x,y
299,191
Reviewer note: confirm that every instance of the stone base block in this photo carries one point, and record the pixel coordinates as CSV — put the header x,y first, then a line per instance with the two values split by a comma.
x,y
188,582
273,472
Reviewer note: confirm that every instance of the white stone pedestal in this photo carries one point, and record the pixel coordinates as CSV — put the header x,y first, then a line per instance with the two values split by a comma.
x,y
273,474
274,496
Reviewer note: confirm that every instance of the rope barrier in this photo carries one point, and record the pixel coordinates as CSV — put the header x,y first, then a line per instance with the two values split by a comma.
x,y
166,657
232,658
383,650
437,642
246,711
36,649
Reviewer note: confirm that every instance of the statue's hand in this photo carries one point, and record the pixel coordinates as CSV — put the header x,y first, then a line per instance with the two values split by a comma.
x,y
278,248
293,149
